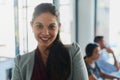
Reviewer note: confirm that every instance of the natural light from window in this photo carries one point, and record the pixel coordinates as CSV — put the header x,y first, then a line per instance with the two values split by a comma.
x,y
115,26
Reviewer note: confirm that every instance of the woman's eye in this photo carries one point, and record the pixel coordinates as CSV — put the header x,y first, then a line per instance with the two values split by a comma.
x,y
39,26
52,27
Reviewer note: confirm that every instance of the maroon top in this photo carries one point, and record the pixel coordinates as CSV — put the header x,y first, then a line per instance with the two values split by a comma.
x,y
39,70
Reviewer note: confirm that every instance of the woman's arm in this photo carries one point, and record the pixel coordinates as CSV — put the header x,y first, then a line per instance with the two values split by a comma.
x,y
92,77
116,64
108,76
79,71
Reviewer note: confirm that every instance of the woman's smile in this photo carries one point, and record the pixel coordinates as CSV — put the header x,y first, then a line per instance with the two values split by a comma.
x,y
45,39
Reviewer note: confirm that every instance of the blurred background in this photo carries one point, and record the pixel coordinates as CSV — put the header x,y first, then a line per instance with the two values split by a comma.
x,y
81,20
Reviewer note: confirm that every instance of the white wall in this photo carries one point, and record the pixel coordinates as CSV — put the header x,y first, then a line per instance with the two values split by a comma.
x,y
86,22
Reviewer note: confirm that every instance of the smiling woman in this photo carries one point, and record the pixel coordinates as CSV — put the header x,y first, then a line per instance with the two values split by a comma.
x,y
45,28
51,60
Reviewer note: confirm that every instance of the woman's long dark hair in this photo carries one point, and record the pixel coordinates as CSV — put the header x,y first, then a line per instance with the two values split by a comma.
x,y
58,63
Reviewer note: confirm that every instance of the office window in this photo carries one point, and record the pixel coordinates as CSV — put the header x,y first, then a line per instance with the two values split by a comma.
x,y
102,27
66,21
114,25
7,36
7,29
108,24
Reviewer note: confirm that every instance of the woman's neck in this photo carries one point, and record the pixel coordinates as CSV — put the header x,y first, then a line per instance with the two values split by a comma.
x,y
89,60
44,53
42,49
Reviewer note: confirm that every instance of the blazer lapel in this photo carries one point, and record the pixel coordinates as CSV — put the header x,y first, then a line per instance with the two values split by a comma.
x,y
30,66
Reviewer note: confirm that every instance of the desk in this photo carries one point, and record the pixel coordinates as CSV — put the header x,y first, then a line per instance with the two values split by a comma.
x,y
116,73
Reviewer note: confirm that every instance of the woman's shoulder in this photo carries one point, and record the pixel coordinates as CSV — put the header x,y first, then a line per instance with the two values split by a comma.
x,y
25,55
73,49
25,58
72,45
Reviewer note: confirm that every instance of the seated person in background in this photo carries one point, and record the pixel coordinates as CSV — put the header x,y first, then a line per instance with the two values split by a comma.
x,y
94,72
104,56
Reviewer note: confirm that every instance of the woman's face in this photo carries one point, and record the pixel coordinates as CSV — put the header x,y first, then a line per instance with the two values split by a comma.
x,y
45,28
96,53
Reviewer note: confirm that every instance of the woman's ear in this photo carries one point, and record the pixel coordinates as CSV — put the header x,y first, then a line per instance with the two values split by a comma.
x,y
31,23
59,26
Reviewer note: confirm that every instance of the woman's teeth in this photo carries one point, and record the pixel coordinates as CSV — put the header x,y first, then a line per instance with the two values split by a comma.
x,y
45,39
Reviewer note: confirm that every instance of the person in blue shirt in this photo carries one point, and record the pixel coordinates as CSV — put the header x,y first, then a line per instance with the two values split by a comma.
x,y
104,56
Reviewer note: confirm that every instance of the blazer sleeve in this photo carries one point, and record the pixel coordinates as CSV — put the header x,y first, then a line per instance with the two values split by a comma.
x,y
79,70
16,70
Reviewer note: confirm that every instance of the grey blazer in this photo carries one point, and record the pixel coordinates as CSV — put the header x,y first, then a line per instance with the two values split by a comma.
x,y
23,66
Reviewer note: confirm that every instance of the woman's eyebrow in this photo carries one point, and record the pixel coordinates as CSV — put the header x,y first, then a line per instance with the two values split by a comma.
x,y
38,23
52,24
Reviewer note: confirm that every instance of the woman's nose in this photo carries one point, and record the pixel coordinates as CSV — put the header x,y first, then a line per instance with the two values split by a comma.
x,y
45,32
